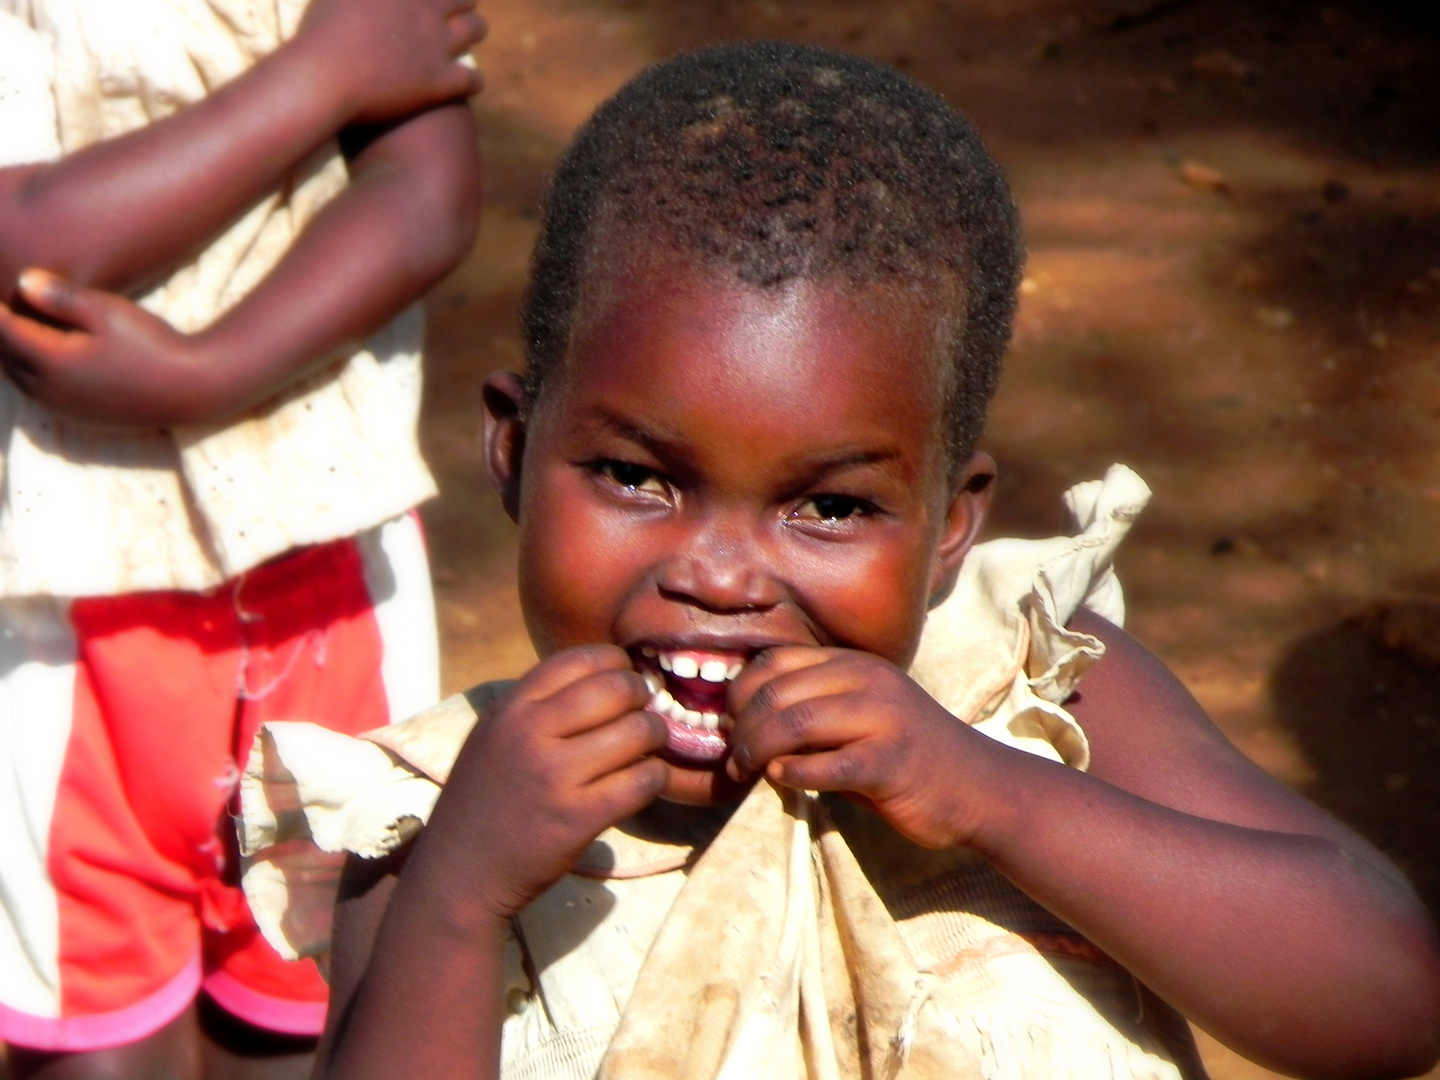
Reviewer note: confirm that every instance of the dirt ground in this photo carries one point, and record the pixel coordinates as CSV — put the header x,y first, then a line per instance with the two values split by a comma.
x,y
1233,279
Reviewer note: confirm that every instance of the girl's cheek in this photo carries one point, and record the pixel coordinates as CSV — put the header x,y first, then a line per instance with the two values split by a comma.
x,y
873,600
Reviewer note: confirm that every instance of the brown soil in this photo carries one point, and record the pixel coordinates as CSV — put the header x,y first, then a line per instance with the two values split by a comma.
x,y
1234,272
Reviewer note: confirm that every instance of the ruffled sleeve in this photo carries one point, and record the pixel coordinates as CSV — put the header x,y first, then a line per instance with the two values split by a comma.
x,y
996,652
310,795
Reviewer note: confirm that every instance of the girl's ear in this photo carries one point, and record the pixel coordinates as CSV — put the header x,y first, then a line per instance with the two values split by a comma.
x,y
970,496
504,397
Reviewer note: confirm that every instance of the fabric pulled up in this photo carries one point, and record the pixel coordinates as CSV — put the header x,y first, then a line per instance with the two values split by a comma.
x,y
801,938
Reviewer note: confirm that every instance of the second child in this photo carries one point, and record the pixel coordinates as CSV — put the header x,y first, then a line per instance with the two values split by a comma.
x,y
215,219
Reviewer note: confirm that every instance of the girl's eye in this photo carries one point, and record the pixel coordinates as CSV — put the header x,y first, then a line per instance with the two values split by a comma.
x,y
832,508
634,477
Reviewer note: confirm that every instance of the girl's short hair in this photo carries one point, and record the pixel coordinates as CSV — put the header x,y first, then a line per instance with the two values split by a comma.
x,y
782,161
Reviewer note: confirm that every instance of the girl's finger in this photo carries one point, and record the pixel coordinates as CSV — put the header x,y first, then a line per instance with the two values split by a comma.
x,y
555,673
624,792
469,28
846,769
594,700
467,81
613,746
63,300
792,678
769,665
822,722
31,342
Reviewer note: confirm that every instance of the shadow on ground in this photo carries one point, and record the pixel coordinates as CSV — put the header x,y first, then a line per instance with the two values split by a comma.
x,y
1361,699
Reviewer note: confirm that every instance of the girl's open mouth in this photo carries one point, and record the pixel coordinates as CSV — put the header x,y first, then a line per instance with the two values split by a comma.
x,y
689,688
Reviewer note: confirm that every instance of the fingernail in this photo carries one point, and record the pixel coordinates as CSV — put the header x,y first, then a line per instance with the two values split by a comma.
x,y
33,282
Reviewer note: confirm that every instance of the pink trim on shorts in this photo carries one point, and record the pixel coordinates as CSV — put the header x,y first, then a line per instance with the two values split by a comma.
x,y
99,1031
262,1010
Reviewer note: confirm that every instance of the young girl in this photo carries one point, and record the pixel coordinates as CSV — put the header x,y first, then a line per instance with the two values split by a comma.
x,y
769,299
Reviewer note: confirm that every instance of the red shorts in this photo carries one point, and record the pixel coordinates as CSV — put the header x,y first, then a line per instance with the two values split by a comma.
x,y
124,722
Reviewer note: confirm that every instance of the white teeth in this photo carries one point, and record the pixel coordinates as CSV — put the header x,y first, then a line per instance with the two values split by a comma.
x,y
654,682
687,667
662,702
713,670
646,650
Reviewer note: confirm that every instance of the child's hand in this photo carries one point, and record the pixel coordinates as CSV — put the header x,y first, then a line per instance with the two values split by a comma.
x,y
393,57
846,721
101,358
564,756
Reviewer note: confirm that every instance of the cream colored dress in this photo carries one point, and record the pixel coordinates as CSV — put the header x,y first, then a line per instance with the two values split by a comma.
x,y
802,937
90,512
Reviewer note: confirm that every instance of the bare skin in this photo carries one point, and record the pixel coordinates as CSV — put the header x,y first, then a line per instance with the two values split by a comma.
x,y
123,212
743,471
120,213
385,78
201,1041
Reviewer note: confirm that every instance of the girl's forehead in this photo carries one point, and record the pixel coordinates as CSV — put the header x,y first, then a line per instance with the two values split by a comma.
x,y
697,314
796,373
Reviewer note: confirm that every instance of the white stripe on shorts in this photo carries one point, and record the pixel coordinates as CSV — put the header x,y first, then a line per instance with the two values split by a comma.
x,y
397,575
37,682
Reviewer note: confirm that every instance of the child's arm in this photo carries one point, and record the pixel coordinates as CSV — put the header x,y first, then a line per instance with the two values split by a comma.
x,y
1254,913
124,211
562,757
407,217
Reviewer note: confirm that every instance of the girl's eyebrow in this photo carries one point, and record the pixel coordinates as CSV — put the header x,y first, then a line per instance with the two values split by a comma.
x,y
818,469
628,429
809,469
851,459
658,443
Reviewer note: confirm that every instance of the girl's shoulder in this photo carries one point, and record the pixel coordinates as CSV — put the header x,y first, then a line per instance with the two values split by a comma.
x,y
1149,736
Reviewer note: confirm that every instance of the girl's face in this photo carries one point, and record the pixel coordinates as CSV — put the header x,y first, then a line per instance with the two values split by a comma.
x,y
718,468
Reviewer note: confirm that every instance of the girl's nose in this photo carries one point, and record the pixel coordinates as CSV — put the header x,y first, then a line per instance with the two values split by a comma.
x,y
721,565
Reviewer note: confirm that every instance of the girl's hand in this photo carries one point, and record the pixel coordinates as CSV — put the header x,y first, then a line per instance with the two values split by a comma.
x,y
838,720
100,358
392,57
561,758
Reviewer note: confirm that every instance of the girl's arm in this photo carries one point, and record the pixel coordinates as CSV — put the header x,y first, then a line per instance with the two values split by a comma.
x,y
406,218
433,976
1259,916
124,211
1255,914
418,976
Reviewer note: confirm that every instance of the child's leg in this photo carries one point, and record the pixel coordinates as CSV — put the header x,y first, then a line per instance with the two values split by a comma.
x,y
231,1049
204,1040
172,1053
